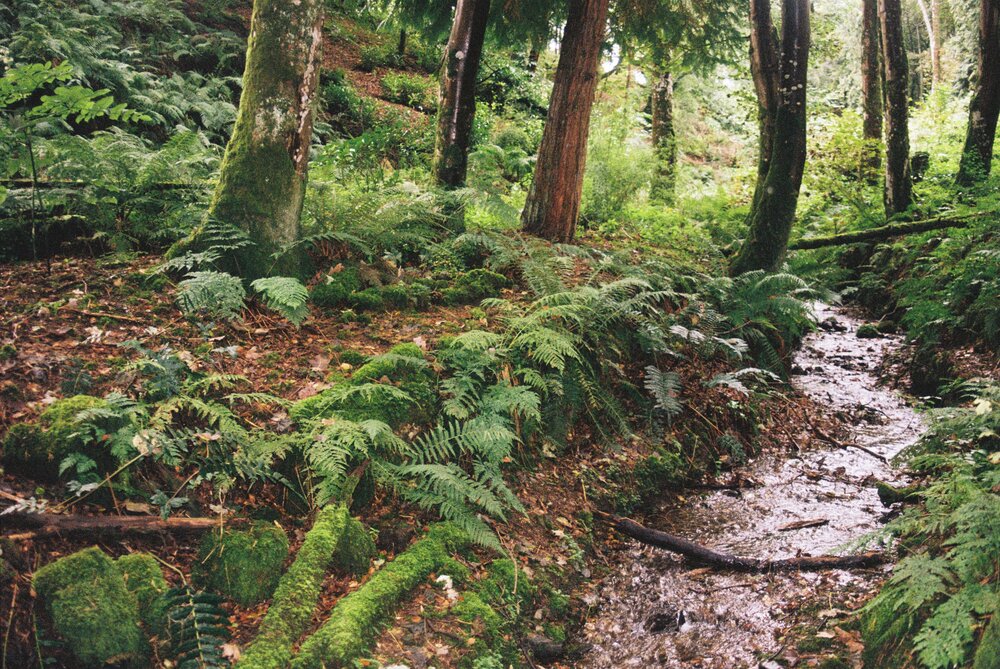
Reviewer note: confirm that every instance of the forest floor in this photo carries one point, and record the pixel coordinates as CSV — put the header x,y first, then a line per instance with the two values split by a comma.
x,y
65,321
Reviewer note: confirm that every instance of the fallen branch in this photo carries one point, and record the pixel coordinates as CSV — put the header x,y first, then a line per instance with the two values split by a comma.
x,y
707,556
888,231
101,314
42,525
823,436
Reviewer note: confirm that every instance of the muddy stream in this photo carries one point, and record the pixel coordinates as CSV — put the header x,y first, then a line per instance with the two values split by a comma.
x,y
659,611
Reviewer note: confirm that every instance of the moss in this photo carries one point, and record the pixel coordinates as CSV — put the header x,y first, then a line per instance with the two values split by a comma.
x,y
335,291
988,652
357,619
813,644
37,451
85,595
493,602
355,550
833,663
353,357
7,352
886,634
474,286
243,565
144,579
396,295
290,613
369,299
867,331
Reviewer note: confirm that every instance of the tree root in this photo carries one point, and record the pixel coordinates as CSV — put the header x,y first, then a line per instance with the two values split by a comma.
x,y
707,556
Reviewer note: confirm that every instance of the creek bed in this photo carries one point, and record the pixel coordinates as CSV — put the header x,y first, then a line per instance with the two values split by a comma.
x,y
659,611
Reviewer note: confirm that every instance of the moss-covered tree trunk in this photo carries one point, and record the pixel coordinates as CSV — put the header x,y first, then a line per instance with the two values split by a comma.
x,y
553,202
262,181
765,69
457,106
664,140
977,156
898,192
871,87
773,209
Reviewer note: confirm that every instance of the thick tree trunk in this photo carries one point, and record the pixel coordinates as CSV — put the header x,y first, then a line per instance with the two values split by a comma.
x,y
664,140
773,210
553,202
457,106
898,185
977,156
263,176
766,71
871,85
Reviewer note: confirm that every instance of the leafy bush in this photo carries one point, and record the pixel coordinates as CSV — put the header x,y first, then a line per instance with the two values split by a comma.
x,y
411,90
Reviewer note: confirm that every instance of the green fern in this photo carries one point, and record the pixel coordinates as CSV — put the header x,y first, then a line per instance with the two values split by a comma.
x,y
285,295
664,387
197,627
213,294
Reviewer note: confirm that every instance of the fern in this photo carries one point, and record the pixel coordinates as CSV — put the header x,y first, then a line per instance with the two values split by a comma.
x,y
210,293
285,295
197,627
664,387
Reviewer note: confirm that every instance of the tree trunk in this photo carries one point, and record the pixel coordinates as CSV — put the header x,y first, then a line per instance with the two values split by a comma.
x,y
401,45
263,176
40,525
889,231
936,52
932,41
871,85
553,202
765,70
898,185
664,140
773,210
977,156
457,107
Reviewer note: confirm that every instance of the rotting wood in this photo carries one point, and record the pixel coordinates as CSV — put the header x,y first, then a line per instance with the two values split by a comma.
x,y
704,555
891,230
41,525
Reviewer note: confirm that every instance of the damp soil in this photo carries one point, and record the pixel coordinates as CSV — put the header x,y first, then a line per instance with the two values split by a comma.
x,y
659,611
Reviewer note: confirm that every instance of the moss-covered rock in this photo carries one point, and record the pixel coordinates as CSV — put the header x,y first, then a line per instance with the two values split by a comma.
x,y
37,450
369,299
334,292
357,619
867,331
91,609
474,286
144,579
331,540
243,565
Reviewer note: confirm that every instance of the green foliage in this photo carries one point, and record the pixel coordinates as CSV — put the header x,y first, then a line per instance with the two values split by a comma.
x,y
345,109
285,295
83,593
411,90
197,628
211,294
242,565
144,579
357,618
336,289
474,286
939,595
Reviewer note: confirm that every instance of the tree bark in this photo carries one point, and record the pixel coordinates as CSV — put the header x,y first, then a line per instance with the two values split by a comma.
x,y
889,231
871,85
977,156
898,191
766,73
49,524
772,212
703,555
553,202
664,140
932,40
263,176
401,44
457,106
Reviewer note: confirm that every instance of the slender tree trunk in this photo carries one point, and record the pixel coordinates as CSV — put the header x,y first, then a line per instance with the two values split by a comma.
x,y
553,202
898,185
766,74
932,42
977,156
262,180
457,100
401,45
936,53
773,210
871,85
664,140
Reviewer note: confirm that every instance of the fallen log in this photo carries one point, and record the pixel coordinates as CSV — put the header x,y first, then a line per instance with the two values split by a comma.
x,y
889,231
707,556
40,525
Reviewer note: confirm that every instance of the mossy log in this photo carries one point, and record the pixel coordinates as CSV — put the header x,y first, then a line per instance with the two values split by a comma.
x,y
707,556
329,541
889,495
358,618
889,231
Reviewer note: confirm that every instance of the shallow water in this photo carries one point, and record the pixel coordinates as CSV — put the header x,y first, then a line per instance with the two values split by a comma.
x,y
659,611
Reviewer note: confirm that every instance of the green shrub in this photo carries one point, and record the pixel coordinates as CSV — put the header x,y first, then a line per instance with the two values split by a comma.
x,y
378,56
474,286
347,110
242,565
396,295
369,299
85,595
335,291
357,619
144,579
410,90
